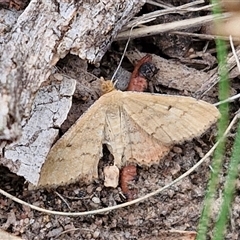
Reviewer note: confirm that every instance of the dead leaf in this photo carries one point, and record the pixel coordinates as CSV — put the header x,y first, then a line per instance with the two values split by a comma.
x,y
136,127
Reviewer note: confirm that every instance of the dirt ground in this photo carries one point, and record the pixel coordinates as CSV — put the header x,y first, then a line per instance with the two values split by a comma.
x,y
177,208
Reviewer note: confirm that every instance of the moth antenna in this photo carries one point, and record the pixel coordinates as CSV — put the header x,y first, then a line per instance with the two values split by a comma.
x,y
124,52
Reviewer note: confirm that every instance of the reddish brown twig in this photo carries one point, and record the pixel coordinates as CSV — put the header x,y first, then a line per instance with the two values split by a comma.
x,y
138,81
127,176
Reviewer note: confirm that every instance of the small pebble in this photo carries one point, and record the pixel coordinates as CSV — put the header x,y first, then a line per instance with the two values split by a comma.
x,y
58,76
32,221
76,191
48,225
127,234
88,236
96,234
96,200
54,232
177,150
155,232
26,220
89,189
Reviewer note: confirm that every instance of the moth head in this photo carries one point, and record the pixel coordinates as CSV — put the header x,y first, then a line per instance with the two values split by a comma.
x,y
106,86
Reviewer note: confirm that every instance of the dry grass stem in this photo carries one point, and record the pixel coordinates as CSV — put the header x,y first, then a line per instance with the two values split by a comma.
x,y
167,10
166,27
204,36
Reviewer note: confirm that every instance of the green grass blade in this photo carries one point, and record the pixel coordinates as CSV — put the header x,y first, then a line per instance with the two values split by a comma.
x,y
229,188
222,125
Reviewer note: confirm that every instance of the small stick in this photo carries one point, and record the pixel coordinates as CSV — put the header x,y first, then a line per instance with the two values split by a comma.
x,y
60,196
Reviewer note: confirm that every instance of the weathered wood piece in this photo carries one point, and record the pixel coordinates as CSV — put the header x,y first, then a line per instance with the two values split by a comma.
x,y
45,32
49,110
173,74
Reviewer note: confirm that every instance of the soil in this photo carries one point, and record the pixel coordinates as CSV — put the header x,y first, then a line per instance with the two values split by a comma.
x,y
177,208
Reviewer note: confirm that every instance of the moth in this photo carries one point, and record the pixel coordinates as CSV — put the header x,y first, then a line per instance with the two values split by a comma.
x,y
136,127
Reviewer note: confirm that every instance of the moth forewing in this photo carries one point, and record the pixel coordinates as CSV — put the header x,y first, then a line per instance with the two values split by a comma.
x,y
76,154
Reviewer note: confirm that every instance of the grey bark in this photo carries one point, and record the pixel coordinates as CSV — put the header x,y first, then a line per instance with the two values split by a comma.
x,y
45,32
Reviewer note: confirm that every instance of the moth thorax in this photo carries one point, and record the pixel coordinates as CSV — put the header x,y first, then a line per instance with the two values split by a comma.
x,y
107,86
